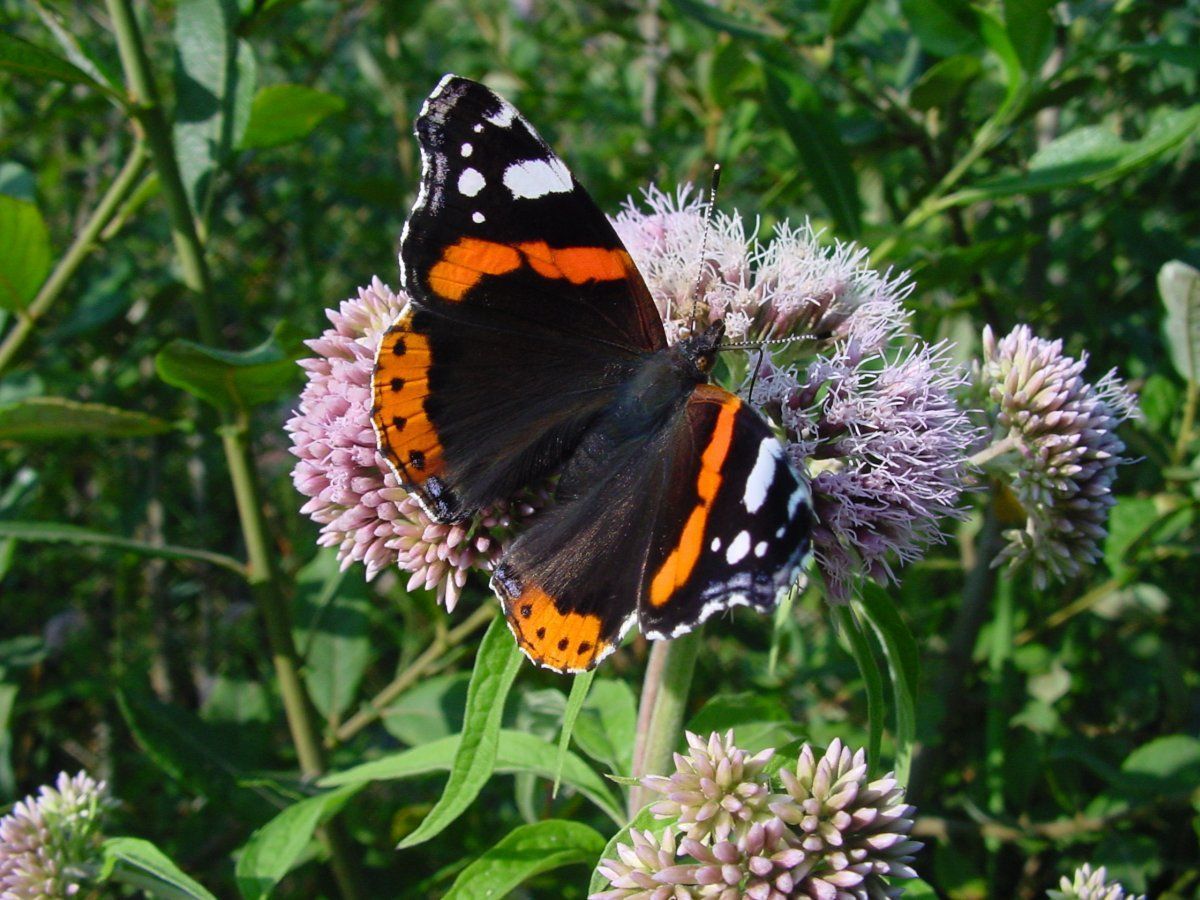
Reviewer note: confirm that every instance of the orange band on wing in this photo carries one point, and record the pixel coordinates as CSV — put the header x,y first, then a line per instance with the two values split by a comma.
x,y
677,568
563,641
463,264
407,438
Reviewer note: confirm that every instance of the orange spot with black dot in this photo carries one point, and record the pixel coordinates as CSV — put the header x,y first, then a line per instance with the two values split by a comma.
x,y
678,566
566,641
407,438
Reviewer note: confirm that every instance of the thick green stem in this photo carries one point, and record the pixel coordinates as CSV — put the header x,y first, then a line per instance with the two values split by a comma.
x,y
263,576
85,242
663,704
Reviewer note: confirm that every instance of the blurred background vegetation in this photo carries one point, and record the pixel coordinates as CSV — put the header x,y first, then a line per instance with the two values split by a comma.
x,y
1028,161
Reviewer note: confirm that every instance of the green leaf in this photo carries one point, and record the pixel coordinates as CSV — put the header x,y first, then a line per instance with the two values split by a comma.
x,y
214,85
496,666
1179,287
844,15
945,81
430,710
17,181
1186,55
1031,31
1128,522
274,849
515,752
1089,154
56,419
52,532
75,52
813,131
332,633
8,699
943,27
231,379
719,20
643,821
32,61
139,863
526,851
282,113
904,663
607,725
580,685
1165,766
25,261
868,665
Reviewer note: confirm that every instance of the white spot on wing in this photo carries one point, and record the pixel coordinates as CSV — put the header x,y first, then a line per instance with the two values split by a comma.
x,y
477,218
478,129
799,495
716,544
471,182
503,117
760,549
466,150
535,178
762,476
738,549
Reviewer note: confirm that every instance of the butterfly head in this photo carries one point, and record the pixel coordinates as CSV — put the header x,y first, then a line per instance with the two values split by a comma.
x,y
701,349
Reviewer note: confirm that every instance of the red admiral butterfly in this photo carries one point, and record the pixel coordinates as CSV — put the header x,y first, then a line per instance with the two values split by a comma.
x,y
532,347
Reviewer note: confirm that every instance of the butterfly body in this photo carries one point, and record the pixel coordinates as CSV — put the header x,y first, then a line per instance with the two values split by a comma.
x,y
532,350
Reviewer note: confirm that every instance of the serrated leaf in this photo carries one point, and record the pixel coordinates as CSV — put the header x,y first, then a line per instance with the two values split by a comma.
x,y
31,61
813,131
904,664
282,113
56,419
496,667
144,865
214,86
231,379
526,851
945,81
274,849
25,260
1179,288
515,752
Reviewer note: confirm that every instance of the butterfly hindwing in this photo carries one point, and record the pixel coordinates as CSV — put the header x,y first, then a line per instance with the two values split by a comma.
x,y
734,527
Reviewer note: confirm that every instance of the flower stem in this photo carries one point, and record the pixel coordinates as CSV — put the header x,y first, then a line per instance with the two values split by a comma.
x,y
85,242
993,451
374,708
263,577
660,714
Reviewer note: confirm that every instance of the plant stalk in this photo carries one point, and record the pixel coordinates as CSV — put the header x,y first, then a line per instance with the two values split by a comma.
x,y
263,576
85,242
660,714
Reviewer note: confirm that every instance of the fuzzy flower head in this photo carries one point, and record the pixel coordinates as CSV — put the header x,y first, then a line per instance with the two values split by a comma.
x,y
50,844
716,789
869,412
1064,430
1090,884
362,509
826,831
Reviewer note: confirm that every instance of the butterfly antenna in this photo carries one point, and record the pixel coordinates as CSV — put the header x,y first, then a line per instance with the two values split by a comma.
x,y
762,349
708,217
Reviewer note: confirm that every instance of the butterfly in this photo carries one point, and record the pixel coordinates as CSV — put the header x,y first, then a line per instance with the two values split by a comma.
x,y
532,349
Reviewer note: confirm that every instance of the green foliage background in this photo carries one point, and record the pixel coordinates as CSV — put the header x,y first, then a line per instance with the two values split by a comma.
x,y
1028,162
